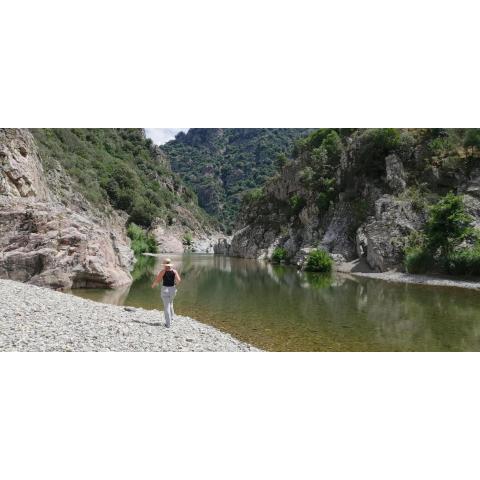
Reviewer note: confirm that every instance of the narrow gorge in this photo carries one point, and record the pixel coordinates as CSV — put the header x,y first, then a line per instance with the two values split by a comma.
x,y
364,196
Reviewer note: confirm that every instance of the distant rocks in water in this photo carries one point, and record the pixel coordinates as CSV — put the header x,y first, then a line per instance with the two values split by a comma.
x,y
222,247
46,243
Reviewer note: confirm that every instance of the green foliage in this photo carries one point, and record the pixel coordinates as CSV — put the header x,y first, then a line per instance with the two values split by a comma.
x,y
297,203
281,160
440,146
472,139
116,166
318,261
142,242
439,248
327,194
448,225
375,145
333,146
465,261
279,255
143,212
418,260
187,239
312,141
253,195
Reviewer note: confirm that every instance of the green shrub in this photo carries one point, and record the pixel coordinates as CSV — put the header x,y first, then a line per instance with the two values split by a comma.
x,y
448,225
297,203
440,146
334,147
143,212
281,160
318,261
279,255
463,262
418,260
375,145
187,239
472,139
252,195
142,242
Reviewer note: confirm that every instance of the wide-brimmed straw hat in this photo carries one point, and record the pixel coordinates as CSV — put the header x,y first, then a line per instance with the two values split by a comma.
x,y
168,262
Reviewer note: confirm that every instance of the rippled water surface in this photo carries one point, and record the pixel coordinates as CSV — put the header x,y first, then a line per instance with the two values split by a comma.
x,y
278,308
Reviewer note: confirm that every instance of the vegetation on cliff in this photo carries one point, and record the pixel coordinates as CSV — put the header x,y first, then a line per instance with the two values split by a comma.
x,y
141,240
449,242
365,192
318,261
222,164
119,168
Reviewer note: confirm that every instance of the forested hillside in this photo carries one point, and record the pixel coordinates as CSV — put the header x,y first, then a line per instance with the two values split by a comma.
x,y
221,164
120,168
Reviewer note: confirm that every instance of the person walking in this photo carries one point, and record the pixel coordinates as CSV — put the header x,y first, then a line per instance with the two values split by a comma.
x,y
169,278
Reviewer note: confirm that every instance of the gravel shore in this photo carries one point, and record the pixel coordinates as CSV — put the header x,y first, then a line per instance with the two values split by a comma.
x,y
37,319
360,268
399,277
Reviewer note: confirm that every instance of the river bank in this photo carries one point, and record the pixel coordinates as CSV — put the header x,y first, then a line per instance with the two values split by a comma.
x,y
39,319
360,268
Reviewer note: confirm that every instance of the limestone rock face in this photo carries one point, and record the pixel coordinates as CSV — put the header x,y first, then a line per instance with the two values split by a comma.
x,y
171,236
395,173
21,173
382,238
45,242
252,242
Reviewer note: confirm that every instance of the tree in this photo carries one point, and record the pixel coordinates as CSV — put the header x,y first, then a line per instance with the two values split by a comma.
x,y
448,225
282,160
472,140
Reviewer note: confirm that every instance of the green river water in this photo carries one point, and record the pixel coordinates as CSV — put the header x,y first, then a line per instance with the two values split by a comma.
x,y
277,308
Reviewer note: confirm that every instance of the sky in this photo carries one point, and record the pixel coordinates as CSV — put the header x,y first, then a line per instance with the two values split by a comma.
x,y
163,135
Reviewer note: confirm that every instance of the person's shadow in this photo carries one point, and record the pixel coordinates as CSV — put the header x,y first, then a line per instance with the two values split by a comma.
x,y
158,324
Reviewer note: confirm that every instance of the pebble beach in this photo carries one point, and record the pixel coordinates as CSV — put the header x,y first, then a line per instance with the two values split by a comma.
x,y
36,319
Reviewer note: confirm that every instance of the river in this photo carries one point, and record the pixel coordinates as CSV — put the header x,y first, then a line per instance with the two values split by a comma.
x,y
277,308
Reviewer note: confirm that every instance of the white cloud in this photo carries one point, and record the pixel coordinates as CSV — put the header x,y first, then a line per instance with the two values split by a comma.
x,y
163,135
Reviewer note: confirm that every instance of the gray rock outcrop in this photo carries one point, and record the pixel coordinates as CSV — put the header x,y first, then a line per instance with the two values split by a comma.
x,y
381,239
47,243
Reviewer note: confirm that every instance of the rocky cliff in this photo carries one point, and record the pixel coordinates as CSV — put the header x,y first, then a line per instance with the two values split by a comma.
x,y
46,242
358,193
66,196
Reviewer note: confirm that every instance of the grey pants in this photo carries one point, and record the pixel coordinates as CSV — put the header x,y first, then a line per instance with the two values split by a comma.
x,y
168,294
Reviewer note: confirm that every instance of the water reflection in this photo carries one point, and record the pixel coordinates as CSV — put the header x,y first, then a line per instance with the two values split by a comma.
x,y
278,308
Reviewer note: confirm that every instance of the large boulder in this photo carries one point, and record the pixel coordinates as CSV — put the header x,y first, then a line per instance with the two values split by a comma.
x,y
222,247
49,245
